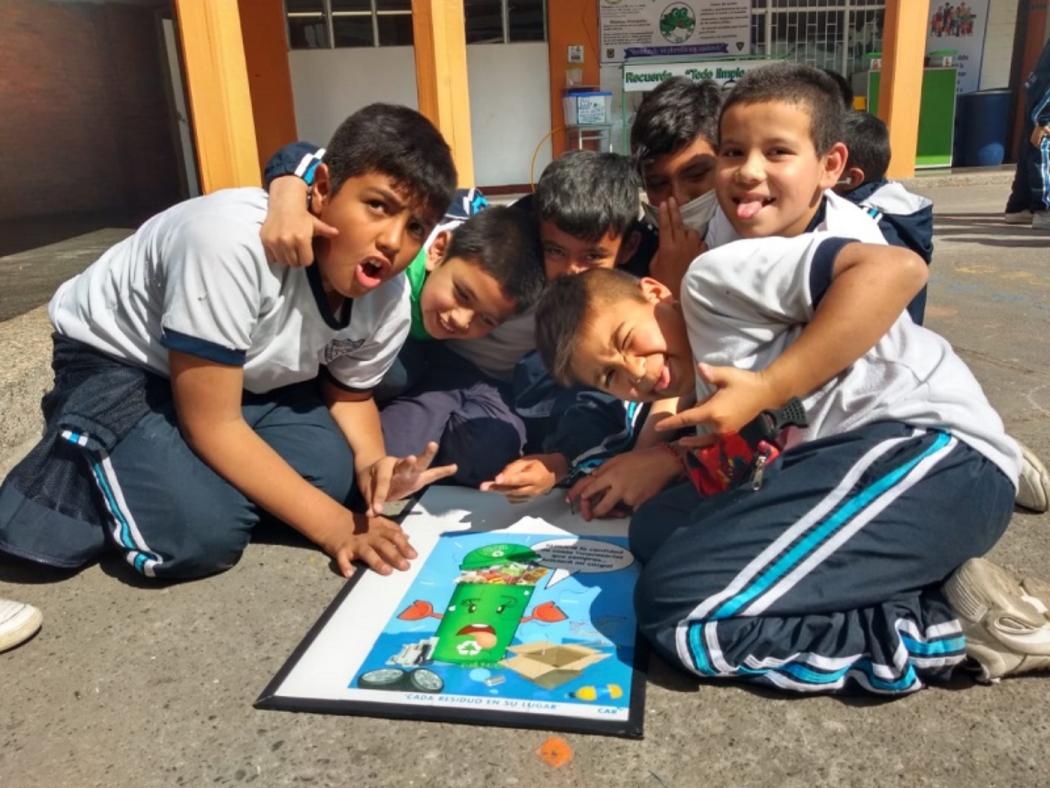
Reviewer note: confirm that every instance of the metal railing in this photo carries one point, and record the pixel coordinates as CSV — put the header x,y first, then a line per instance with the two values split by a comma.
x,y
833,34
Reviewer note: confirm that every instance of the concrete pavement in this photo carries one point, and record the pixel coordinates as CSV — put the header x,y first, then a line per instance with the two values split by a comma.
x,y
131,683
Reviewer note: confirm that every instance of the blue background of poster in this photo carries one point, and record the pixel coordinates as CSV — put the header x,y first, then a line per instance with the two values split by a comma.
x,y
598,606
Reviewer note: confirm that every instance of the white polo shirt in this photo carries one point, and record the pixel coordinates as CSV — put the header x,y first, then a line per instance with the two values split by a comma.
x,y
746,302
194,279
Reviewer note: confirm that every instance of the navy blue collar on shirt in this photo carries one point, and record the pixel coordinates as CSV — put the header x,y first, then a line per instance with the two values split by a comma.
x,y
342,320
819,217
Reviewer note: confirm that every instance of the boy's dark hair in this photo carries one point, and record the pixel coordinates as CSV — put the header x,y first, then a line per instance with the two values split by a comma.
x,y
845,89
566,309
587,194
674,114
504,242
399,142
868,142
795,84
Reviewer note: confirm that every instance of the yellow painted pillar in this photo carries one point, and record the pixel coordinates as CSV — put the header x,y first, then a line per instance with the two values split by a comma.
x,y
900,89
440,44
269,75
219,94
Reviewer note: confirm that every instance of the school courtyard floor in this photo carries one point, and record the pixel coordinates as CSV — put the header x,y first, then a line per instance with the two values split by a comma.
x,y
131,684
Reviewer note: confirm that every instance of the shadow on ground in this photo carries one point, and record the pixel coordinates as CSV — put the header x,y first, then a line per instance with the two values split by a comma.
x,y
987,229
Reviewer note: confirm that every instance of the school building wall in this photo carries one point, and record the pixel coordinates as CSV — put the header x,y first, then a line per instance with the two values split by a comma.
x,y
84,120
998,44
509,99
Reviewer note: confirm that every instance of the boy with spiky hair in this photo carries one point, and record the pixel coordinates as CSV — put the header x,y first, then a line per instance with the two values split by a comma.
x,y
199,388
586,204
820,564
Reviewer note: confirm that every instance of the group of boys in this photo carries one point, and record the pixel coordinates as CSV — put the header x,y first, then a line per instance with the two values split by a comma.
x,y
240,358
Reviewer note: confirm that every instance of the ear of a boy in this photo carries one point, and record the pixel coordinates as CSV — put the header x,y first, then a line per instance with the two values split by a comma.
x,y
319,190
855,176
436,252
834,162
654,290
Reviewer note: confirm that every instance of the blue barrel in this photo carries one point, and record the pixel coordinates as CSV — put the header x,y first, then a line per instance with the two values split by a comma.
x,y
982,128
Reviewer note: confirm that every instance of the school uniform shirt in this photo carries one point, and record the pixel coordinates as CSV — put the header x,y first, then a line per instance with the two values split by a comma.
x,y
195,279
835,215
746,302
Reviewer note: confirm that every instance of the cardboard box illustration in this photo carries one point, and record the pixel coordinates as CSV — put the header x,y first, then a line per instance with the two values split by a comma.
x,y
550,664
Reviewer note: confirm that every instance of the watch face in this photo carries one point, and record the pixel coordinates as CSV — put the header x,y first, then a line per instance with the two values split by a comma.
x,y
383,678
425,680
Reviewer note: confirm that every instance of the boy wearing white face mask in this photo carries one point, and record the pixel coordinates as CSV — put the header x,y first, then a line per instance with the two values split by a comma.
x,y
674,140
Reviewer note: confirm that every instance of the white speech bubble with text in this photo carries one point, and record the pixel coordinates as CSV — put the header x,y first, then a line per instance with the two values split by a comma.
x,y
567,556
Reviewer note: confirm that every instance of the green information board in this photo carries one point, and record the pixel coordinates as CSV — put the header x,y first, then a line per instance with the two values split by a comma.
x,y
936,115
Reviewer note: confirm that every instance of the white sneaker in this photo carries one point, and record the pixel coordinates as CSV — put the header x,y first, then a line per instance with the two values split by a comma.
x,y
1041,221
1004,618
1018,217
18,623
1033,485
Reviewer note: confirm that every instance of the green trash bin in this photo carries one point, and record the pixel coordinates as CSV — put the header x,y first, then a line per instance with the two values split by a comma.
x,y
482,617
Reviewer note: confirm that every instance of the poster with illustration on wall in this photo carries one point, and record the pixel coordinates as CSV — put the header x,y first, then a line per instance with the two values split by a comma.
x,y
958,28
511,615
659,28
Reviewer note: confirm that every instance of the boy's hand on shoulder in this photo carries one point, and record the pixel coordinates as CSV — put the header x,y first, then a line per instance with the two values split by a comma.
x,y
288,232
741,395
376,541
626,481
394,478
679,246
528,477
1037,135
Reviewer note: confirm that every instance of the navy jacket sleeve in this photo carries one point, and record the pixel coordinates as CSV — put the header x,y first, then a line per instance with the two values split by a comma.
x,y
585,425
296,158
913,231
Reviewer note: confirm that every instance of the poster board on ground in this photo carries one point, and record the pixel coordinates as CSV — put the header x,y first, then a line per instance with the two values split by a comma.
x,y
515,615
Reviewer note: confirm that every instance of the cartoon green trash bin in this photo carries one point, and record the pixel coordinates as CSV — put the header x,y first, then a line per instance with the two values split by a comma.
x,y
492,592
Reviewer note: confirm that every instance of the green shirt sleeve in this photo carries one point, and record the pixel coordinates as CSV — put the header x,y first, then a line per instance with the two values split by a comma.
x,y
417,275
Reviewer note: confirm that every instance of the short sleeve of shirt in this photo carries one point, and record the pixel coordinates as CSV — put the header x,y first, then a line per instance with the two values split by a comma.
x,y
778,280
212,289
366,350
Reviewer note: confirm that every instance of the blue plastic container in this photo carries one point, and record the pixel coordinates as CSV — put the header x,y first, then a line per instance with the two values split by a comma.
x,y
982,128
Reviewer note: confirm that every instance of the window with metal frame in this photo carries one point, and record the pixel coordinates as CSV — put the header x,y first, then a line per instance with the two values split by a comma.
x,y
832,34
505,21
326,24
